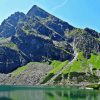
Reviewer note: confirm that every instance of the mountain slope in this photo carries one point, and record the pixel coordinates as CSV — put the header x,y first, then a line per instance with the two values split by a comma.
x,y
34,40
41,37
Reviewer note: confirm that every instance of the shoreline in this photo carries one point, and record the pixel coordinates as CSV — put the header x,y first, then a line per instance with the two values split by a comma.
x,y
83,85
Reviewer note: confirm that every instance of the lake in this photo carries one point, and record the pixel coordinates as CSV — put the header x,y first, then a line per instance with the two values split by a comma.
x,y
47,93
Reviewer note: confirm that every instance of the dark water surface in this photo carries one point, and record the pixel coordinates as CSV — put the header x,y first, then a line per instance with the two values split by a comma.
x,y
47,93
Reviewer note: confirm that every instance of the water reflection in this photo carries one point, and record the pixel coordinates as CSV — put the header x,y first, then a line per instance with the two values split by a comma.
x,y
5,98
47,93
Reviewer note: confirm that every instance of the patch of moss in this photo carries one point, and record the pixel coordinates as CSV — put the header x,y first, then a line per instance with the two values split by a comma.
x,y
49,76
55,63
82,64
58,66
77,65
95,61
11,45
77,32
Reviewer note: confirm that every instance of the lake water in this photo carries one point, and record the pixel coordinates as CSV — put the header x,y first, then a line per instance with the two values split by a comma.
x,y
47,93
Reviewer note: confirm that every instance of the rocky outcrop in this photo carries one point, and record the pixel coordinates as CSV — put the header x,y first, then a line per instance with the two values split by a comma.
x,y
87,44
10,59
85,41
8,26
92,32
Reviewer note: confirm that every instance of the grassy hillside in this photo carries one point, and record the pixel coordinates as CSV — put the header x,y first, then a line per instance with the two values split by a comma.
x,y
81,65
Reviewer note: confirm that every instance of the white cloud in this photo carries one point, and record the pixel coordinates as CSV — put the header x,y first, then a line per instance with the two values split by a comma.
x,y
60,5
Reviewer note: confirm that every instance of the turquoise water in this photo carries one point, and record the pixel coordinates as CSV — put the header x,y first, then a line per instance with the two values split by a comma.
x,y
47,93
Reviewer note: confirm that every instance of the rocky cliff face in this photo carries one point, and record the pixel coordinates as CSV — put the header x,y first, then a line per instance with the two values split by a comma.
x,y
49,21
41,37
9,25
87,41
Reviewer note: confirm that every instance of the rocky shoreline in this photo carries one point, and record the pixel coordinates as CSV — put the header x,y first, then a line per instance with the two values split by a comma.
x,y
23,81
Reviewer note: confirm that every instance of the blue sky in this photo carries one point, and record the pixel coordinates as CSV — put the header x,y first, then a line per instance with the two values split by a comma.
x,y
79,13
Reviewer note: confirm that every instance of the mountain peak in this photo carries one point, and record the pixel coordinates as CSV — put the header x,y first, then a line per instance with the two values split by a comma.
x,y
35,6
16,16
8,26
37,11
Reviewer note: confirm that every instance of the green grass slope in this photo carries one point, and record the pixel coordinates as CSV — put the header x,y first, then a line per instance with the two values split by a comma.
x,y
81,65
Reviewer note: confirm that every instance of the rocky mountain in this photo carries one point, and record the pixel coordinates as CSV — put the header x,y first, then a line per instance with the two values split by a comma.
x,y
33,38
41,37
